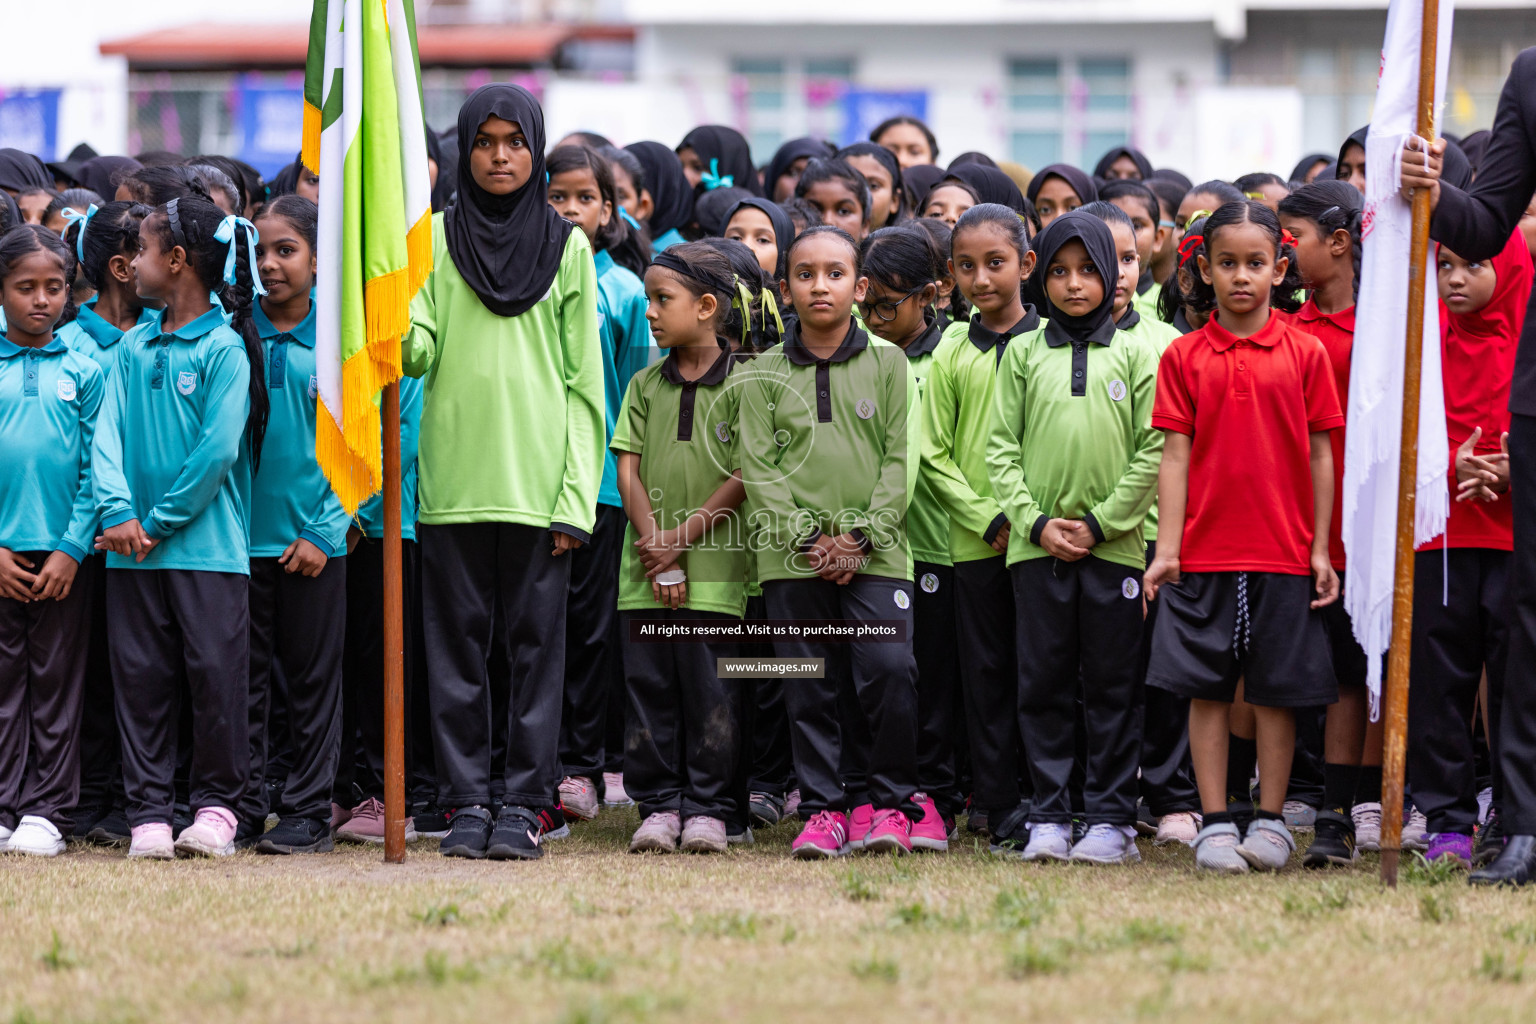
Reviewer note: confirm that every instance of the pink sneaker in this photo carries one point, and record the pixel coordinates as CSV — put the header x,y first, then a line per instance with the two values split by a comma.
x,y
365,824
211,835
859,824
825,835
792,803
152,842
579,797
931,833
891,833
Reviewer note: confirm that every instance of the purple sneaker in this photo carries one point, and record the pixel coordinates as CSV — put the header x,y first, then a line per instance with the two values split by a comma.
x,y
1450,846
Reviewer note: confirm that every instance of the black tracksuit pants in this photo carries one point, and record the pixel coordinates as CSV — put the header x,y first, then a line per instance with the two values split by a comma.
x,y
683,745
470,573
939,709
166,625
298,622
772,764
986,628
1515,740
43,649
869,690
101,766
591,646
1453,642
1080,617
1167,774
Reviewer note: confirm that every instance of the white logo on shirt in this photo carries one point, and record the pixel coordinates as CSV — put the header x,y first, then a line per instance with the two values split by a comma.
x,y
1117,390
1130,588
865,408
66,389
902,600
186,382
929,583
723,432
314,385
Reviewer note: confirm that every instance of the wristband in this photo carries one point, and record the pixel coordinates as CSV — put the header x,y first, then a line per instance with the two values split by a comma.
x,y
672,577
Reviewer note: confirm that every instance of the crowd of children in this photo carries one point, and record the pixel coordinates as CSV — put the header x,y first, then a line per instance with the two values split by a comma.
x,y
1068,445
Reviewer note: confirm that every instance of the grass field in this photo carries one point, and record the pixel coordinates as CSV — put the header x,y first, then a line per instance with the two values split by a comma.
x,y
592,934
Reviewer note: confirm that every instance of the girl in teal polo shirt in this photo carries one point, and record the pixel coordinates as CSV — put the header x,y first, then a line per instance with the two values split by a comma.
x,y
49,398
180,432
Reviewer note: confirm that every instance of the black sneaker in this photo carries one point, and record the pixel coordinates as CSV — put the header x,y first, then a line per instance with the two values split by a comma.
x,y
249,832
1012,833
552,822
86,819
738,833
468,833
181,820
1146,821
431,823
766,809
1490,839
297,835
1333,842
516,836
112,830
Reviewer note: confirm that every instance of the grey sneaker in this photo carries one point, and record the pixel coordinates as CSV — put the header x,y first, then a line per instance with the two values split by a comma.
x,y
1299,817
1106,844
1415,831
1216,850
657,833
1268,846
1049,841
703,834
1367,819
579,797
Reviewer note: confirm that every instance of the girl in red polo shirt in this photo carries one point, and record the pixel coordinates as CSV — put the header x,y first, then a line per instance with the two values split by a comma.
x,y
1245,497
1459,625
1324,219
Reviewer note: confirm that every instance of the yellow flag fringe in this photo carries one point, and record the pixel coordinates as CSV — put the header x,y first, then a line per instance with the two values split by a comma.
x,y
309,154
418,248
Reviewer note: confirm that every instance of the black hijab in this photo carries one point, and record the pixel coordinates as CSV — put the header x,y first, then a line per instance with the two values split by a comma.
x,y
507,248
1311,160
919,180
725,154
1143,165
783,227
1083,185
795,149
713,209
10,213
1095,236
1356,138
990,185
447,172
20,171
101,174
671,196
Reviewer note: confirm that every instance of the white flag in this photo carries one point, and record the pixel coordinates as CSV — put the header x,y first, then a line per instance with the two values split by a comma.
x,y
1373,441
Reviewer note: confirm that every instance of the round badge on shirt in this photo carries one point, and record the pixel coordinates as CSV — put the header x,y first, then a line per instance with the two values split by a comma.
x,y
1117,390
1130,588
929,583
865,408
902,600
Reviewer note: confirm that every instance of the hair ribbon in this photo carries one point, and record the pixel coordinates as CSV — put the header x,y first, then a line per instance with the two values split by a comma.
x,y
712,178
226,233
628,219
1189,247
1286,238
71,215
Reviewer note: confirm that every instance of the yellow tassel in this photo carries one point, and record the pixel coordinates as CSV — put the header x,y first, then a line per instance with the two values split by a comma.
x,y
387,307
310,153
418,247
353,476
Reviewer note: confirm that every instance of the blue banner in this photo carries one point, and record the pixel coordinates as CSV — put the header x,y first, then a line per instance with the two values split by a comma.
x,y
866,108
29,121
271,119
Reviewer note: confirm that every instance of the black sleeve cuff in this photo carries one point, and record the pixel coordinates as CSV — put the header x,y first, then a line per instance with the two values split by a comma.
x,y
1038,529
571,531
995,528
865,544
1093,525
810,541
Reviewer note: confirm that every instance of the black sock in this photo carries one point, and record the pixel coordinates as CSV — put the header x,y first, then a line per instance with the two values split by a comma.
x,y
1262,814
1368,789
1340,783
1218,818
1242,757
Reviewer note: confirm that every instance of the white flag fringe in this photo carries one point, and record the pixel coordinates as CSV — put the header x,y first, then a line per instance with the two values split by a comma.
x,y
1373,441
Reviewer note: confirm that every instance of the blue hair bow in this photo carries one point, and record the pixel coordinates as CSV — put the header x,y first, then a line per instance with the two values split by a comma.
x,y
226,234
628,219
712,178
70,214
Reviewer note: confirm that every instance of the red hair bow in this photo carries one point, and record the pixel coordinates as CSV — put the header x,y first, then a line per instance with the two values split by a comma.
x,y
1189,247
1286,238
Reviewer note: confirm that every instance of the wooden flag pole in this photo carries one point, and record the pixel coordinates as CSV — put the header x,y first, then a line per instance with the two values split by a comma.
x,y
1396,704
394,638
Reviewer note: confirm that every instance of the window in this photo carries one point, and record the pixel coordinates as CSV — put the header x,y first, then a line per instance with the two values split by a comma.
x,y
1067,109
777,99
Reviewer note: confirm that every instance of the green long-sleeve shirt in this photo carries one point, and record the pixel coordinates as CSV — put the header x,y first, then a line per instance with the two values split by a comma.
x,y
957,414
514,424
1159,335
829,447
927,522
1071,437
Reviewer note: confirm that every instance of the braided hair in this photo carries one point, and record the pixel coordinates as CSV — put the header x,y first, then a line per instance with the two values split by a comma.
x,y
1333,206
198,219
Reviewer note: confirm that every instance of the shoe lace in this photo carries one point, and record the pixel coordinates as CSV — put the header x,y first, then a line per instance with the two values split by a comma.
x,y
373,807
825,821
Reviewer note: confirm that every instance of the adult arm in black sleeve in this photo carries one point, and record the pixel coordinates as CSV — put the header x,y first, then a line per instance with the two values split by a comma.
x,y
1476,225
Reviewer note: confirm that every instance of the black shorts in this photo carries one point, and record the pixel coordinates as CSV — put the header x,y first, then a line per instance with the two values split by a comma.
x,y
1349,660
1279,650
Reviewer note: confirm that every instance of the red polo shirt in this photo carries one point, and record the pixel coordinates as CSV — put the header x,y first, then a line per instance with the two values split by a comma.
x,y
1250,406
1337,333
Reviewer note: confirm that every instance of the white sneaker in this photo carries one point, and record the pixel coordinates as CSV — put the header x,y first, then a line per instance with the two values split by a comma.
x,y
1106,844
1049,841
1178,827
1367,819
35,836
579,797
1268,846
1216,850
613,790
1415,831
5,837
